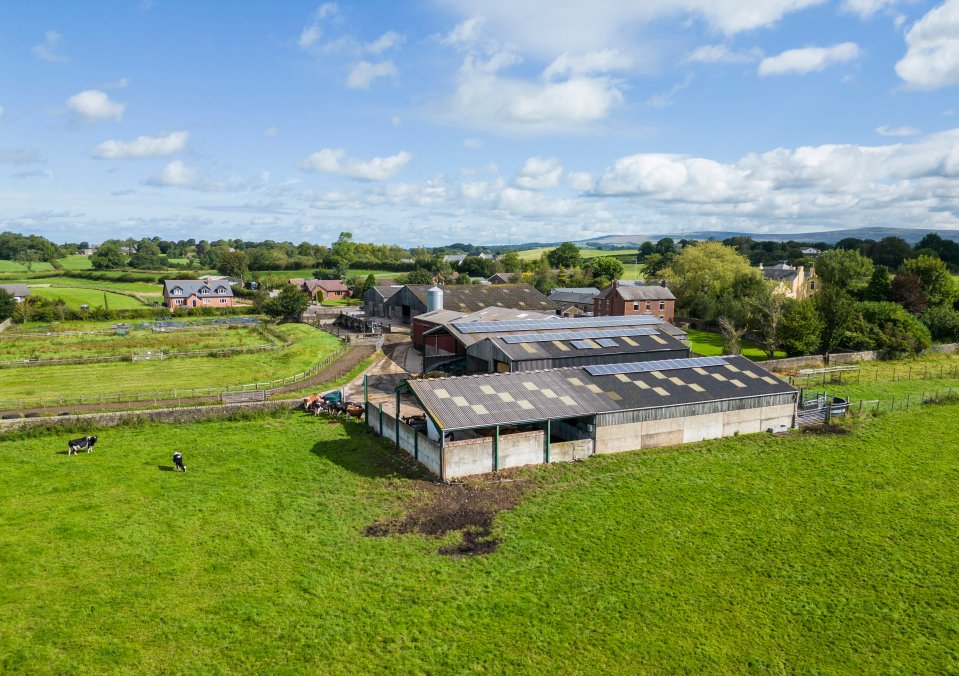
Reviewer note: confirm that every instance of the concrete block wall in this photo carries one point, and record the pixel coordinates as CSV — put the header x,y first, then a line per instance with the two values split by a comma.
x,y
523,448
468,456
417,445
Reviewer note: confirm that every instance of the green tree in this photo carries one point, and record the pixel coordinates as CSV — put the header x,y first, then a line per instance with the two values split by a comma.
x,y
566,255
147,256
769,309
511,262
606,268
888,327
934,276
290,304
878,287
943,323
838,312
906,289
801,328
234,264
843,269
474,266
890,251
7,304
108,257
703,272
344,249
368,284
418,276
27,257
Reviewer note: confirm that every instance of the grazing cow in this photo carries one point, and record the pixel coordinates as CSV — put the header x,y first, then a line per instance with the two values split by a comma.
x,y
178,462
82,444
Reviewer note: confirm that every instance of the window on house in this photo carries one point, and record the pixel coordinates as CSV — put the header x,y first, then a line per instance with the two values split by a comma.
x,y
812,285
179,301
223,301
662,305
636,307
648,305
177,291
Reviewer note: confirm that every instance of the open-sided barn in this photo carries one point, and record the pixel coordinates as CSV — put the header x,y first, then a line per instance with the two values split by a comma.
x,y
478,424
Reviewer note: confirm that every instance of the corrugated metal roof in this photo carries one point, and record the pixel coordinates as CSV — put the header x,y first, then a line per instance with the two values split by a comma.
x,y
577,346
528,396
473,297
628,292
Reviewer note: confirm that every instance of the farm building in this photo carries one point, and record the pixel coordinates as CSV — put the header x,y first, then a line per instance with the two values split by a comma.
x,y
194,293
411,300
374,300
625,299
478,424
429,321
504,278
574,301
322,290
18,291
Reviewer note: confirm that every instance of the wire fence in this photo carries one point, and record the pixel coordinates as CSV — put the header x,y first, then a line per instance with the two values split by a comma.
x,y
175,395
899,373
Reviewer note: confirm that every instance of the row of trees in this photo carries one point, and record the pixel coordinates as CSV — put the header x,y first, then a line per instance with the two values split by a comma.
x,y
859,305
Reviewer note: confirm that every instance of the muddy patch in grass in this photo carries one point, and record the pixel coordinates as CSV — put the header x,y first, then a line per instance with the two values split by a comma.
x,y
826,429
466,508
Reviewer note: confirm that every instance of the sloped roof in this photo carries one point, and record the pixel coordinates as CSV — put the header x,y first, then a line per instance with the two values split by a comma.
x,y
629,292
528,396
330,285
471,297
386,291
504,277
194,287
574,295
18,290
575,346
779,274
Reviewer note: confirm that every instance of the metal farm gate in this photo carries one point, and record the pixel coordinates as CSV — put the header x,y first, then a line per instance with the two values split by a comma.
x,y
819,409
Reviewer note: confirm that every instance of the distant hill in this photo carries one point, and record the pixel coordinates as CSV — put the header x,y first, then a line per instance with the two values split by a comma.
x,y
829,236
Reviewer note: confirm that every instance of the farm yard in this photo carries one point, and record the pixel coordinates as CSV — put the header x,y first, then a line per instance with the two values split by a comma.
x,y
50,383
800,553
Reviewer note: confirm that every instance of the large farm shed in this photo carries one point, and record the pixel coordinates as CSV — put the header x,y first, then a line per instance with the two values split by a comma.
x,y
412,300
539,342
478,424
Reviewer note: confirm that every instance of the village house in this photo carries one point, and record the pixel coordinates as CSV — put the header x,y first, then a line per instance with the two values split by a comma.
x,y
505,278
621,299
322,290
574,301
190,293
18,291
792,281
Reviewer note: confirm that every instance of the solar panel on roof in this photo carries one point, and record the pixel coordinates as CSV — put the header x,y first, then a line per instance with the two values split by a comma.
x,y
558,323
567,335
606,342
583,345
650,366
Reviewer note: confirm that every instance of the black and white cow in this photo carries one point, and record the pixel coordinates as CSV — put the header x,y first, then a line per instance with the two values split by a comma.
x,y
82,444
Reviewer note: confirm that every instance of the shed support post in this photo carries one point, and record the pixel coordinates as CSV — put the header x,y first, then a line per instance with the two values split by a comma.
x,y
397,430
496,449
381,419
366,400
546,453
416,445
442,455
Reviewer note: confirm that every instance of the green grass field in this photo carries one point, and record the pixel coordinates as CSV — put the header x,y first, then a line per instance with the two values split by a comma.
x,y
145,377
534,254
79,282
72,262
14,346
710,344
77,296
804,553
11,266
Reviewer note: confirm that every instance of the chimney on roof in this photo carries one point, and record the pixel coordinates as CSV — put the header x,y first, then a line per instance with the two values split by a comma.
x,y
662,283
615,283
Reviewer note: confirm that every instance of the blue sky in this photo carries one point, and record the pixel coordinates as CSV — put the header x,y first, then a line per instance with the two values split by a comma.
x,y
490,121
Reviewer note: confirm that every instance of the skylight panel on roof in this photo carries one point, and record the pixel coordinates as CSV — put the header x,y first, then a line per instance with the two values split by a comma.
x,y
558,323
571,335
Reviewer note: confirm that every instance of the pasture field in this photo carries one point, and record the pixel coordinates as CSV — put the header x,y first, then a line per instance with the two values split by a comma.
x,y
14,346
147,288
72,262
891,380
77,296
12,266
801,553
534,254
308,346
710,344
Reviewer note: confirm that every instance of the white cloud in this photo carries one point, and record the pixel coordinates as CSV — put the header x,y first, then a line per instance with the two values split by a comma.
x,y
465,33
335,161
396,121
932,57
539,173
122,83
175,174
143,146
385,42
723,54
886,130
529,203
591,63
93,105
313,31
270,131
665,99
866,8
808,59
363,73
48,49
579,180
21,155
473,143
548,28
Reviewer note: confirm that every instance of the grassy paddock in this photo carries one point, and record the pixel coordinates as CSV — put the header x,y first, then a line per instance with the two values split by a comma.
x,y
77,296
802,553
109,285
145,377
710,344
14,346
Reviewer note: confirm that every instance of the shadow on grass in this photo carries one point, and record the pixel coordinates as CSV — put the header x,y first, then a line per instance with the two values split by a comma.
x,y
166,468
365,454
